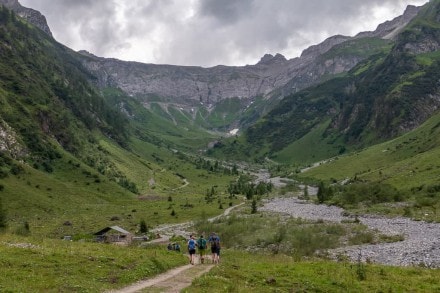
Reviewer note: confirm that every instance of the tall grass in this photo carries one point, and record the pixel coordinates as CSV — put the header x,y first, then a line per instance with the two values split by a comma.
x,y
47,265
243,272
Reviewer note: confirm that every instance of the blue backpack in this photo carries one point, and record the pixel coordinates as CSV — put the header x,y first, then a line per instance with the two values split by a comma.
x,y
191,244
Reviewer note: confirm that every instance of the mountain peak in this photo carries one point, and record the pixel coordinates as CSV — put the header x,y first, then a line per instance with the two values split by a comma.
x,y
30,15
270,59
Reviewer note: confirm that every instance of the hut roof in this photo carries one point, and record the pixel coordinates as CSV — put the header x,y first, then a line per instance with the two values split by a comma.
x,y
116,228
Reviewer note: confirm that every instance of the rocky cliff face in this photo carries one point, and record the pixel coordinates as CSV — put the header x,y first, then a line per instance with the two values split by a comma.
x,y
189,86
31,15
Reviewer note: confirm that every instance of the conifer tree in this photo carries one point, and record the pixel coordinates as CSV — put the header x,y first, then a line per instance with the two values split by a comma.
x,y
3,220
306,192
254,206
143,227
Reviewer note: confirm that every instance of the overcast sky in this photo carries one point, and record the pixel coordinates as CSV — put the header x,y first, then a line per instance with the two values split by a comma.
x,y
208,32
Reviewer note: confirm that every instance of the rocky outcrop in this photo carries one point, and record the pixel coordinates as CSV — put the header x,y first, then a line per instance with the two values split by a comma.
x,y
9,142
317,50
390,29
32,16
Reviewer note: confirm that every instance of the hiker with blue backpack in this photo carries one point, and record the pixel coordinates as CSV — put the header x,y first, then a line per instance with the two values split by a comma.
x,y
201,245
214,241
192,249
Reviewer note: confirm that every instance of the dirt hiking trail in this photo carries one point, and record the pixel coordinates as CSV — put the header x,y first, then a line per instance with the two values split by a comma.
x,y
174,280
171,281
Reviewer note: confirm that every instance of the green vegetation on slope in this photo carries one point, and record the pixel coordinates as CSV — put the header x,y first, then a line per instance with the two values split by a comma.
x,y
409,163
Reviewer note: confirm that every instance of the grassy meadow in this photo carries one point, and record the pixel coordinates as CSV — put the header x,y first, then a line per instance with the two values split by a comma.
x,y
242,272
28,264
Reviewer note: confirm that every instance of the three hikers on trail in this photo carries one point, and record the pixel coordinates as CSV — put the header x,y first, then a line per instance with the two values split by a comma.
x,y
201,244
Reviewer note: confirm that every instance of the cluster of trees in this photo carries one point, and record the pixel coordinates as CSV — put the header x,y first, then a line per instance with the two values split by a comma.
x,y
244,186
357,192
215,166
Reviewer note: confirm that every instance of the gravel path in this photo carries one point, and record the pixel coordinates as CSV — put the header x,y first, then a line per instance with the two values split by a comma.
x,y
421,244
172,281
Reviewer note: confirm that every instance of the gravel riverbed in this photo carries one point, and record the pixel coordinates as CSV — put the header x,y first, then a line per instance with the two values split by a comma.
x,y
421,244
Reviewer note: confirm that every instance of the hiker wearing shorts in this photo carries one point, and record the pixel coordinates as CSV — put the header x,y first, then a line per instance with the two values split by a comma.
x,y
192,249
214,242
201,245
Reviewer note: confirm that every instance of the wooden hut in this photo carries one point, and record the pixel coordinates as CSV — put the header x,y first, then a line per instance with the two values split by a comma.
x,y
114,234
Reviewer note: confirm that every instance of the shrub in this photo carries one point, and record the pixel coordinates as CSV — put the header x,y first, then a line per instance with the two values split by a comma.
x,y
23,230
17,169
3,220
143,227
362,238
373,193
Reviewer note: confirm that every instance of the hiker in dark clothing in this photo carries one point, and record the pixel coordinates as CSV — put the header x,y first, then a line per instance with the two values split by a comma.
x,y
214,241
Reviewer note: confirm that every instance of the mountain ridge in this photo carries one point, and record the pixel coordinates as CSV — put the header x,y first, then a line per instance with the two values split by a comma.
x,y
194,88
31,15
199,91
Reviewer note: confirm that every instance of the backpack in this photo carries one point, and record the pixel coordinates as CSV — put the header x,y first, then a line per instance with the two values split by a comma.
x,y
191,244
215,242
202,243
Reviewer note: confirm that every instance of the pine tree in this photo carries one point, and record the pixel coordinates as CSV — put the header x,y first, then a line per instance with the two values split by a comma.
x,y
306,192
321,192
254,206
143,227
3,220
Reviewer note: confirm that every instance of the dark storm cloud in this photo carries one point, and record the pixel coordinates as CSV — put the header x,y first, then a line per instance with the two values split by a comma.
x,y
227,11
208,32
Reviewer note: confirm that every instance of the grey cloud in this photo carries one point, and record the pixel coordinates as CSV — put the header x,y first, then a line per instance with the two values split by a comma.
x,y
226,11
272,26
217,31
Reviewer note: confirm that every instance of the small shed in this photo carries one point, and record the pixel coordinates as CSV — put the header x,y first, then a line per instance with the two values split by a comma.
x,y
114,234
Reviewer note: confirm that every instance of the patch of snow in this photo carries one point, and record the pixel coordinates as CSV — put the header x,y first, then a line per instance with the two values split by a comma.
x,y
234,131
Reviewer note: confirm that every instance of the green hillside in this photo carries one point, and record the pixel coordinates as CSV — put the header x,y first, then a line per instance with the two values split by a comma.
x,y
74,158
388,94
408,161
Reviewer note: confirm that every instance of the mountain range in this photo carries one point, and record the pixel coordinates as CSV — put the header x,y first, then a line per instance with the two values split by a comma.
x,y
140,128
202,92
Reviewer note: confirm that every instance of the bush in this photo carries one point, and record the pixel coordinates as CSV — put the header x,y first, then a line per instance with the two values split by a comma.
x,y
3,220
373,193
17,169
23,230
143,227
